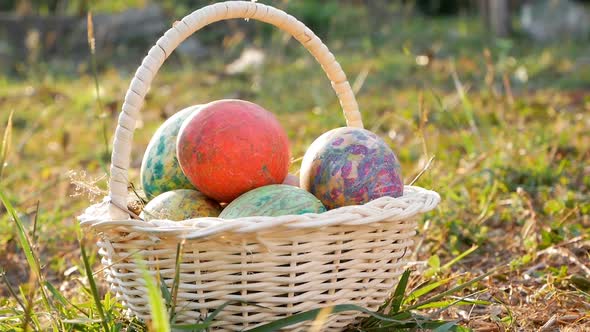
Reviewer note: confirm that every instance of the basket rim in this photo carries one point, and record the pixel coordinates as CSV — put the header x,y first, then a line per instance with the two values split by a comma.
x,y
416,200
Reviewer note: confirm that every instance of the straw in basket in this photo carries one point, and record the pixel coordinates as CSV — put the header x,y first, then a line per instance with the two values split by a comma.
x,y
263,268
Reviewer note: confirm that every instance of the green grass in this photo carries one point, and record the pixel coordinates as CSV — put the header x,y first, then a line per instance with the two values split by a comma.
x,y
510,162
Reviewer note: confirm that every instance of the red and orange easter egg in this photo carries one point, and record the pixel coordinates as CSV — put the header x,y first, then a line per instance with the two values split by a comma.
x,y
231,147
350,166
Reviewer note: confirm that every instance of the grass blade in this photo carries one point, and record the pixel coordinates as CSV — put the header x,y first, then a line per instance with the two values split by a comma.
x,y
451,291
424,169
400,290
467,106
25,244
312,314
6,141
214,314
11,289
93,288
99,115
448,303
170,296
160,320
176,282
392,306
29,313
191,327
437,268
445,327
459,257
65,302
207,322
22,236
165,292
81,321
412,323
417,293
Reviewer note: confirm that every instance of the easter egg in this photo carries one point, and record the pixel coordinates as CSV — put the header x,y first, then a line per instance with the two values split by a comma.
x,y
160,171
273,200
180,204
291,180
232,146
350,166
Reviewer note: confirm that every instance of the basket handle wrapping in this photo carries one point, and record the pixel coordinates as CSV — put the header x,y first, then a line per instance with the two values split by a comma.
x,y
134,98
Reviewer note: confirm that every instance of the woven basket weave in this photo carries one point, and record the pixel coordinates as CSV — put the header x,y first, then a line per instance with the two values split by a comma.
x,y
265,267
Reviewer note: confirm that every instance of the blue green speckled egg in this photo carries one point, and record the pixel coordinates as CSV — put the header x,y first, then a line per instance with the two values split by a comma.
x,y
160,171
181,204
273,200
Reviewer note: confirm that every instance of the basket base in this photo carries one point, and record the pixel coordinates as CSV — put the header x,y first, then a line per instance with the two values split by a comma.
x,y
265,276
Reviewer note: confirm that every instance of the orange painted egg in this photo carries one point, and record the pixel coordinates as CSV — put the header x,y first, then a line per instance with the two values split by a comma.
x,y
350,166
181,204
232,146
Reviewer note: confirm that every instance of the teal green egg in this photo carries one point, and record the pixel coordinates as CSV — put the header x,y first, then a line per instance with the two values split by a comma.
x,y
273,200
160,171
180,204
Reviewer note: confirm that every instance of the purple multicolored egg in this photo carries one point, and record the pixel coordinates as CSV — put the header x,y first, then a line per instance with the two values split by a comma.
x,y
273,200
350,166
160,171
180,205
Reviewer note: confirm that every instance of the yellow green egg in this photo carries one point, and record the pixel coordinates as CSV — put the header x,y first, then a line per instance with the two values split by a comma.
x,y
180,204
160,171
273,200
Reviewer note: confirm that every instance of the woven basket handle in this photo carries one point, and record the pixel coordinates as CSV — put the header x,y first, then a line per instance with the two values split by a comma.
x,y
134,98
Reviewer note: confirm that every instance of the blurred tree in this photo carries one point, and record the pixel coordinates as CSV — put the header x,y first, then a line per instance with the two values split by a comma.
x,y
442,7
496,17
7,5
45,7
318,17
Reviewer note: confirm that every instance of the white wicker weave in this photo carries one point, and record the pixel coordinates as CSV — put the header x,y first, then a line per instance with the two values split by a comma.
x,y
270,267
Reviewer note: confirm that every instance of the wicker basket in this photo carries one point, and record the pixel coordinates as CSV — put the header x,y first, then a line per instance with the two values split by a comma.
x,y
265,267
